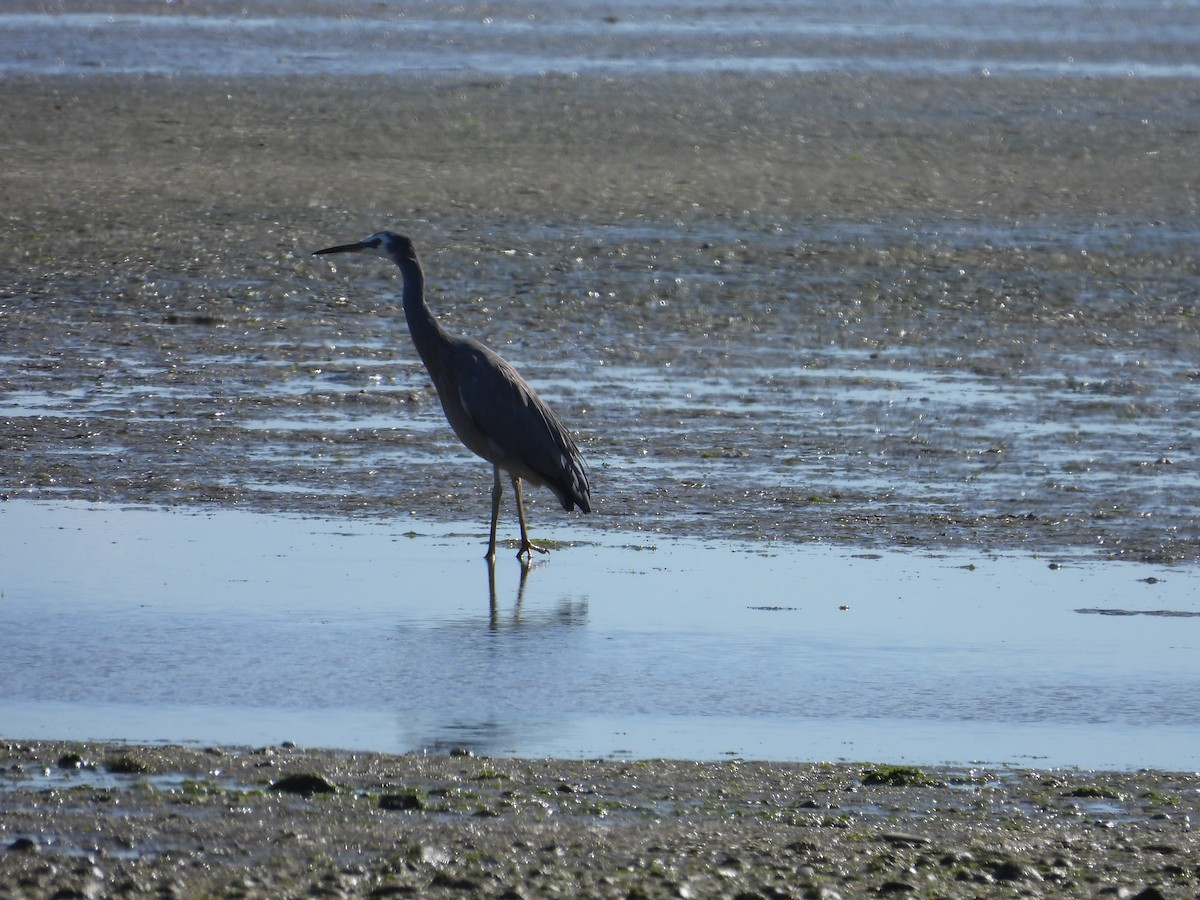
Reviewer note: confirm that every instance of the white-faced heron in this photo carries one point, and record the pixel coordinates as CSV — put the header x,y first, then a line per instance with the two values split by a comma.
x,y
488,404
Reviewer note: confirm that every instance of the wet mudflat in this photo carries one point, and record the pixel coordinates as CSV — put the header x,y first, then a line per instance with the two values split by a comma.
x,y
908,311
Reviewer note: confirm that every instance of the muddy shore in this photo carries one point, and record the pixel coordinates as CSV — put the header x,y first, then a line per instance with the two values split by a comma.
x,y
165,821
161,318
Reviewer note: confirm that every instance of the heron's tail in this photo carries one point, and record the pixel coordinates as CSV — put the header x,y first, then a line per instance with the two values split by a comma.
x,y
575,489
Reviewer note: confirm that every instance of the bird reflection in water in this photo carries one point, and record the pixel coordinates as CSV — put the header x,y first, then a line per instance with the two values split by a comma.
x,y
493,608
568,612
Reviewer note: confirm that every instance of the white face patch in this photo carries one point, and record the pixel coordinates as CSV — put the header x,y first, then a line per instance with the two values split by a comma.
x,y
391,244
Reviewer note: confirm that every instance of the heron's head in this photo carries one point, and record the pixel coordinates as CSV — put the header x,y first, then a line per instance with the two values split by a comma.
x,y
387,244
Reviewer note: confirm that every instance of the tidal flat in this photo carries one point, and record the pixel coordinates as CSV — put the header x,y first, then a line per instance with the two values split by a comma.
x,y
902,312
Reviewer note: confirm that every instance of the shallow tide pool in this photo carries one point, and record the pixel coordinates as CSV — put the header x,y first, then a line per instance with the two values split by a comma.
x,y
146,624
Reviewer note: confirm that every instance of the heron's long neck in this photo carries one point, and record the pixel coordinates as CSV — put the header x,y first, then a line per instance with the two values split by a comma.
x,y
424,328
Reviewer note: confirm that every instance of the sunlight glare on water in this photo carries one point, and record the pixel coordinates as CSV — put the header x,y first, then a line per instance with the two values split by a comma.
x,y
234,627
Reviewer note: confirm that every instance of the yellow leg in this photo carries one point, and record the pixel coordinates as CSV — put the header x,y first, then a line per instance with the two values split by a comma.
x,y
497,490
526,546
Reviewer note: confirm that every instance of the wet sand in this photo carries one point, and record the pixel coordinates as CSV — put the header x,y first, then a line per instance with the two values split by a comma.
x,y
766,305
273,162
153,272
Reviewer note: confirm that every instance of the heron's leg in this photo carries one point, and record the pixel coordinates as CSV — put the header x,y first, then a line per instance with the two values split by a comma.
x,y
526,545
497,490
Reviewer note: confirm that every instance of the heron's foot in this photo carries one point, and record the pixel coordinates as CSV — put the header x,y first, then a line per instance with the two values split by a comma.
x,y
527,550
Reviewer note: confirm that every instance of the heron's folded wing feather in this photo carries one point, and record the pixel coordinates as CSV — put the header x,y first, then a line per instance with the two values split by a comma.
x,y
522,430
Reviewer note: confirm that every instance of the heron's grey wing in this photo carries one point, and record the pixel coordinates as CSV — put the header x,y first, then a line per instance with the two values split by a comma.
x,y
524,435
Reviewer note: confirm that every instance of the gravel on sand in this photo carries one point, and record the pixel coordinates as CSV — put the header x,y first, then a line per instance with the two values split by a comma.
x,y
168,821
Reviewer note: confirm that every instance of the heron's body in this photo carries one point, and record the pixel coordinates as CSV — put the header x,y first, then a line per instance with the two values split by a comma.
x,y
491,408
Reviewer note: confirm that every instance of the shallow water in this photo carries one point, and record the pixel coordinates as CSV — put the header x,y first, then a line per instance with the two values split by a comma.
x,y
237,627
1056,37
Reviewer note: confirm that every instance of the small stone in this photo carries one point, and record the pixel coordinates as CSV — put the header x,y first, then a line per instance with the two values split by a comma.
x,y
456,882
409,800
1014,871
902,839
126,764
957,858
303,783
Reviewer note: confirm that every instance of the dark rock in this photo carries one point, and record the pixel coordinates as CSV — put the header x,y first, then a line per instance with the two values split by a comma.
x,y
409,800
1014,871
458,883
901,839
126,764
1164,849
303,783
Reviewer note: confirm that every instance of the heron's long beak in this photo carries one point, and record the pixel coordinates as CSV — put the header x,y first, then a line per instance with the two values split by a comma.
x,y
357,247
